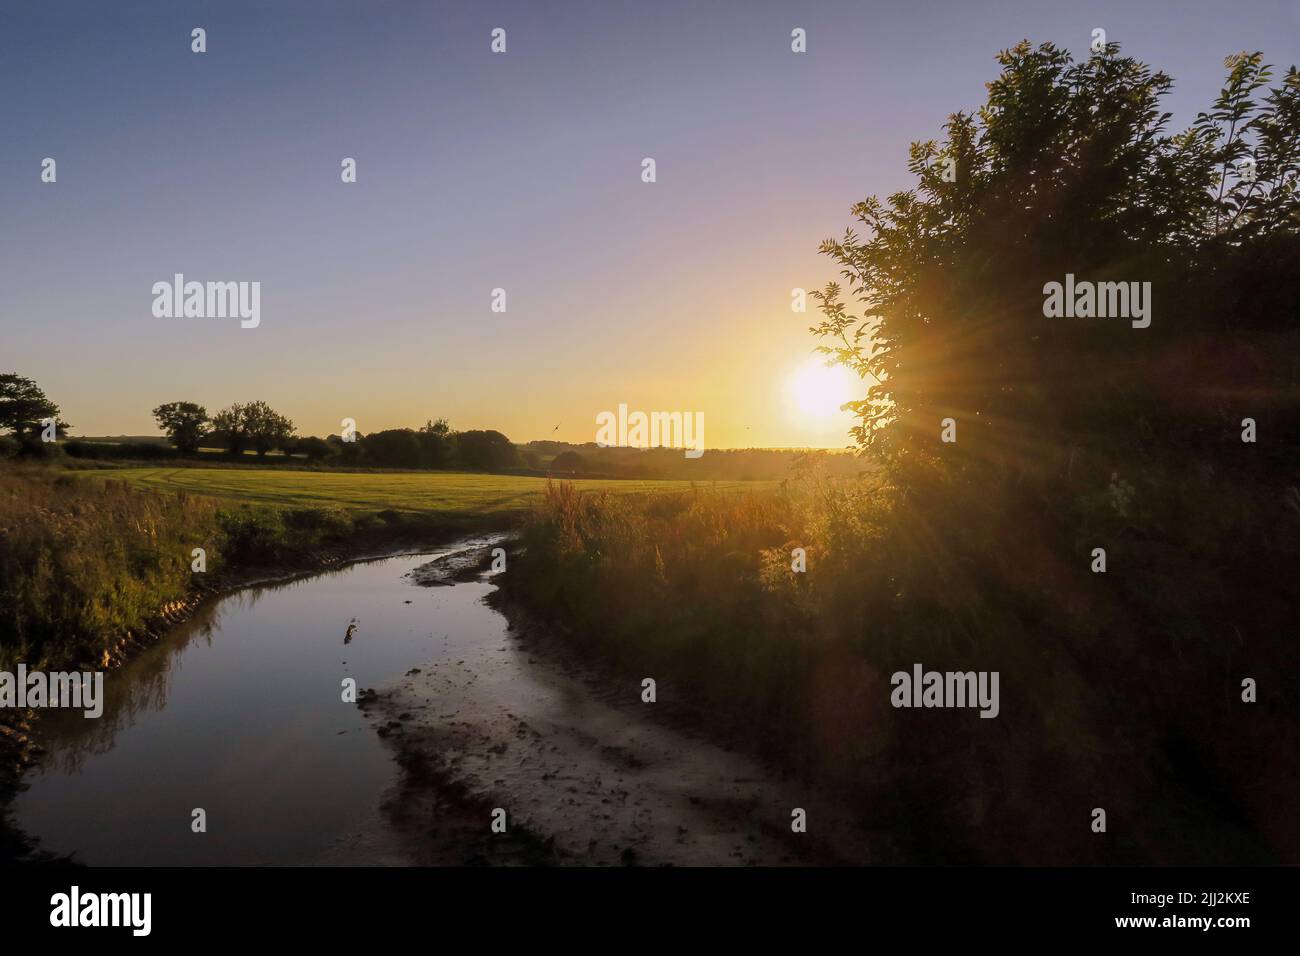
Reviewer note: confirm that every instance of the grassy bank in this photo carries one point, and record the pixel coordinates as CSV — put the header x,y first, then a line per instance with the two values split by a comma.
x,y
1118,690
80,561
92,566
86,559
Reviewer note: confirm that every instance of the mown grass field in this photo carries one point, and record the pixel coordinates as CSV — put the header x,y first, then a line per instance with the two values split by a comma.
x,y
450,493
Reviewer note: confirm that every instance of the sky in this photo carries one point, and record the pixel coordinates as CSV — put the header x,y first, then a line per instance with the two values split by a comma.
x,y
478,171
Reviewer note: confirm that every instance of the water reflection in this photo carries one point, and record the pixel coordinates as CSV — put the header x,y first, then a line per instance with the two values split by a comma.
x,y
239,711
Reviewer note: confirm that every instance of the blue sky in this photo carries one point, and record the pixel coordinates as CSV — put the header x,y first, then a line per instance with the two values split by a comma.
x,y
478,171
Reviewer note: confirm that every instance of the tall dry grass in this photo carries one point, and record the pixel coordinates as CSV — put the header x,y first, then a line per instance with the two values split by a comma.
x,y
1118,690
86,561
80,560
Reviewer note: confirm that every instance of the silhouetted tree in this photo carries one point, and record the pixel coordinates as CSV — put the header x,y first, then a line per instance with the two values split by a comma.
x,y
1068,168
256,426
185,424
436,444
266,428
228,426
24,409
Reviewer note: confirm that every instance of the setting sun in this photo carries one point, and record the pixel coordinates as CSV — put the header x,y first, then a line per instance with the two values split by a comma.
x,y
815,391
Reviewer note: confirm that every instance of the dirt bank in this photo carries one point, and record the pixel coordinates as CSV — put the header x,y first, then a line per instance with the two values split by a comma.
x,y
587,773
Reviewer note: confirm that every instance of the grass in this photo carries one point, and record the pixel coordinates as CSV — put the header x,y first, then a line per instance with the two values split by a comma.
x,y
82,564
450,494
1119,690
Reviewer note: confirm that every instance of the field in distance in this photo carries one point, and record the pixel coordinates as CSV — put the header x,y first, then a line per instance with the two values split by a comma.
x,y
446,492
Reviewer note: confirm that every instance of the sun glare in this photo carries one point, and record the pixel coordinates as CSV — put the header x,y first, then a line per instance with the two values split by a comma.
x,y
815,392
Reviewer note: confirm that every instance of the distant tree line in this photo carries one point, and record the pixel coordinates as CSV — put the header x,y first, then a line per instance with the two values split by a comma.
x,y
717,464
256,427
434,445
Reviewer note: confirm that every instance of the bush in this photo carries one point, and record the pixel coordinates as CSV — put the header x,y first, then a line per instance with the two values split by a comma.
x,y
326,522
1096,670
252,535
394,448
132,451
485,450
314,449
568,463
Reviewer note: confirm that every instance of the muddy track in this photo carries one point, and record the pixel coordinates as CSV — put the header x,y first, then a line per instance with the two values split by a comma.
x,y
587,773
